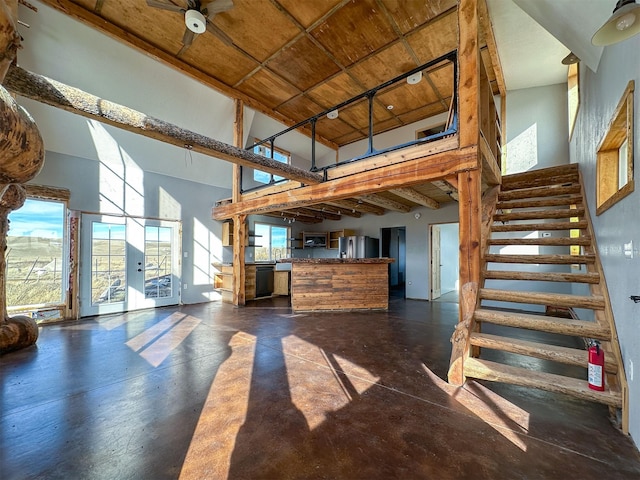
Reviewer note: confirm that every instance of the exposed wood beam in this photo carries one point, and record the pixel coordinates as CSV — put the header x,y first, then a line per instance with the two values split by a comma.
x,y
269,190
374,181
89,18
71,99
354,207
285,215
238,139
485,21
490,168
332,209
447,188
9,36
239,235
469,73
416,197
385,203
308,212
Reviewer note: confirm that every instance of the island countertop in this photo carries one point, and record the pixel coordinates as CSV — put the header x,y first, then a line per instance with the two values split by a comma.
x,y
336,260
339,283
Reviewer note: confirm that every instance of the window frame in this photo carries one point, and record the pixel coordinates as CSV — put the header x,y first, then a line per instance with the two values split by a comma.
x,y
269,247
258,174
608,160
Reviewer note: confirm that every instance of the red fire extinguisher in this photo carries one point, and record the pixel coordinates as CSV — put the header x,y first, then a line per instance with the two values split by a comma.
x,y
596,367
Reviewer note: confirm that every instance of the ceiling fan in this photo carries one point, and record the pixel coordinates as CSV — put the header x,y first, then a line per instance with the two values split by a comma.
x,y
197,18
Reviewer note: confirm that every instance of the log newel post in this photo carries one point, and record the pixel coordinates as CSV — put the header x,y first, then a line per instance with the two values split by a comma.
x,y
460,337
239,235
21,158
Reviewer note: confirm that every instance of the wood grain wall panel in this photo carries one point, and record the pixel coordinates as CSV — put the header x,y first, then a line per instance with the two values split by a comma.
x,y
259,27
308,12
304,64
383,66
409,14
368,31
338,89
268,88
435,39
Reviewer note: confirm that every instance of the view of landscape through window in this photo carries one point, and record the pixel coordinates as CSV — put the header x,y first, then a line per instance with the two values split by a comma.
x,y
35,267
271,242
280,156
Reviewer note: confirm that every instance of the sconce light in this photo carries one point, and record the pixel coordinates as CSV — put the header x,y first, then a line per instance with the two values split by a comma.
x,y
332,115
623,23
570,59
415,78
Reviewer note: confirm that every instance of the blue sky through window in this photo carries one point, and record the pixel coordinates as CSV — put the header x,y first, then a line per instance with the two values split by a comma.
x,y
37,218
264,177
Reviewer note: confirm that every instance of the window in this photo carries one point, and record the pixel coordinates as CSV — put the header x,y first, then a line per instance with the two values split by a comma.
x,y
614,163
36,269
271,242
278,155
573,95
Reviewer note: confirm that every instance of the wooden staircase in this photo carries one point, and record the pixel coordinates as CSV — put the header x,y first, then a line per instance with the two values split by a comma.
x,y
528,284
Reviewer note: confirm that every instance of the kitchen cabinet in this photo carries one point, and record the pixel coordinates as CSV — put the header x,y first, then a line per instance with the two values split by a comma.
x,y
223,281
227,236
334,235
281,282
314,239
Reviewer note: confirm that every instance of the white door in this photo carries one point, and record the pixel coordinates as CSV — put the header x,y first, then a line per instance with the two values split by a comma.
x,y
435,262
132,263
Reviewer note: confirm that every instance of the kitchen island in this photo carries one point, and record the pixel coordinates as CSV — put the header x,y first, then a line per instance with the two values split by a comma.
x,y
339,283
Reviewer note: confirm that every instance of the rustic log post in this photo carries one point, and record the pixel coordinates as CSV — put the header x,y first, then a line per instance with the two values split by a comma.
x,y
9,37
21,158
460,337
239,235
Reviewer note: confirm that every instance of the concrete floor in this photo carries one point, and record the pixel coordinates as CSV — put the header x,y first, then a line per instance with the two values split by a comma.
x,y
213,392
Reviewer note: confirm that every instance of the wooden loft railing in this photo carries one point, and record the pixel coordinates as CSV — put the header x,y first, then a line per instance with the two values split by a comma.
x,y
490,129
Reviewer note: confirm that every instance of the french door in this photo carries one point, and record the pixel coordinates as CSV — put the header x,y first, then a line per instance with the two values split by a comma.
x,y
128,264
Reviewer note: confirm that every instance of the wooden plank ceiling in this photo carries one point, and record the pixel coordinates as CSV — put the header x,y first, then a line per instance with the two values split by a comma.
x,y
292,59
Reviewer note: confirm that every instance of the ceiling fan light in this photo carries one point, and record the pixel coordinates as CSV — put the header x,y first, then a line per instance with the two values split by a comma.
x,y
195,21
622,24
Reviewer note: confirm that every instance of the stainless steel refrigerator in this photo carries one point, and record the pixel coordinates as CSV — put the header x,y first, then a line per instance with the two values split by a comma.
x,y
358,247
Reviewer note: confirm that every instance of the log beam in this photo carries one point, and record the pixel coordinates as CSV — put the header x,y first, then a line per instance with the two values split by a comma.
x,y
386,203
9,37
394,176
416,197
42,89
353,207
239,235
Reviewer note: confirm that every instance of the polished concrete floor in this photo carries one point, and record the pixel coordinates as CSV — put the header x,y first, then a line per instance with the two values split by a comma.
x,y
214,392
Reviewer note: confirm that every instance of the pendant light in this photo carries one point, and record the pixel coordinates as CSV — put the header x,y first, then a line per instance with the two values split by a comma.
x,y
623,23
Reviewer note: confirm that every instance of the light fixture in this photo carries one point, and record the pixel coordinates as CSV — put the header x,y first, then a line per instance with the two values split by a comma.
x,y
570,59
417,215
389,107
332,115
195,21
415,78
623,23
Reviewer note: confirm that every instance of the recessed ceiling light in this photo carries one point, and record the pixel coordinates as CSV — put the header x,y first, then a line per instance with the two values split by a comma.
x,y
389,107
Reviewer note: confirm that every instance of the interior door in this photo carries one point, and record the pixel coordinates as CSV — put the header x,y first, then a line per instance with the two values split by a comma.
x,y
436,279
133,264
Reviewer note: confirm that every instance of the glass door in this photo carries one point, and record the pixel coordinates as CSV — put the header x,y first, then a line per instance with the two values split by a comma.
x,y
133,264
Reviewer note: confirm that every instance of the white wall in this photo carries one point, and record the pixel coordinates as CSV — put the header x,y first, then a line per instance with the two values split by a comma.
x,y
99,187
600,93
537,137
537,131
449,257
65,50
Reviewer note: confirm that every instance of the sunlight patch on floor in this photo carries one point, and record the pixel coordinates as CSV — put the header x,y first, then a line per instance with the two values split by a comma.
x,y
223,414
504,417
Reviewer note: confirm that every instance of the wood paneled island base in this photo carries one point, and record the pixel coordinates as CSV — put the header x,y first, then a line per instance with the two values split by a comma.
x,y
339,283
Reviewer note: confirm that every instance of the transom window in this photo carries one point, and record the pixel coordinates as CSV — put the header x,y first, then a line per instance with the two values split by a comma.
x,y
272,242
614,164
279,155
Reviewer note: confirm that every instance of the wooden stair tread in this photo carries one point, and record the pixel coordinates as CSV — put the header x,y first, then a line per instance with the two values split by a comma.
x,y
554,353
540,202
592,278
594,302
526,227
538,192
497,372
544,323
509,184
539,214
544,259
548,241
566,169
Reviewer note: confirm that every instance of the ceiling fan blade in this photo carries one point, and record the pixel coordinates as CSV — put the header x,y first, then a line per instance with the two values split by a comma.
x,y
219,33
165,6
217,6
188,37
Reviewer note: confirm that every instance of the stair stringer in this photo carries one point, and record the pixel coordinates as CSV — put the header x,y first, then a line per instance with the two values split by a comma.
x,y
606,316
464,353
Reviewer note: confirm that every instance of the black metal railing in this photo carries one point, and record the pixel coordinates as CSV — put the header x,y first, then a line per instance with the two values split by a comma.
x,y
451,127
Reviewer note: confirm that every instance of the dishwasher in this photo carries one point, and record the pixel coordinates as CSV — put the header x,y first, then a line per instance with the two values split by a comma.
x,y
264,281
